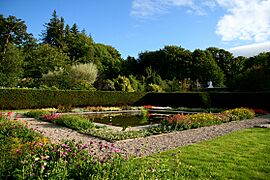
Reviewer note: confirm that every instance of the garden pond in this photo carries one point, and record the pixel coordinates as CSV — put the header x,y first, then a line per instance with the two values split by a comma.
x,y
123,119
138,118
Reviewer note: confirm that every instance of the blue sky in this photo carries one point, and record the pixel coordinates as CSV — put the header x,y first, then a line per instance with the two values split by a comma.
x,y
134,26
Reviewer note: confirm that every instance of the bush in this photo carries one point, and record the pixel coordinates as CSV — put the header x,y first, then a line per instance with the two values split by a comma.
x,y
80,76
74,122
64,108
180,122
241,113
37,113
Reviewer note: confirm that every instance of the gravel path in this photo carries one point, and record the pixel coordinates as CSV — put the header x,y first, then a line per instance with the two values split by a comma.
x,y
148,145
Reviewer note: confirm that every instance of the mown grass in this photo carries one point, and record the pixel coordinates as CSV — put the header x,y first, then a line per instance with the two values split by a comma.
x,y
239,155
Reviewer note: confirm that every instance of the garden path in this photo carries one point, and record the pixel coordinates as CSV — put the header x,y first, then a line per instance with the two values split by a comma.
x,y
148,145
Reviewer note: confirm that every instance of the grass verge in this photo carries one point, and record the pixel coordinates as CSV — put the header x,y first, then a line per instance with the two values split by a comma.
x,y
239,155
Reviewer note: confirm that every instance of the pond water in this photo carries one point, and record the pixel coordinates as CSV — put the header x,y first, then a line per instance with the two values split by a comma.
x,y
133,119
123,119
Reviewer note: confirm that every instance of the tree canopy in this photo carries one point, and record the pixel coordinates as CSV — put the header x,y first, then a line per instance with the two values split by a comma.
x,y
68,58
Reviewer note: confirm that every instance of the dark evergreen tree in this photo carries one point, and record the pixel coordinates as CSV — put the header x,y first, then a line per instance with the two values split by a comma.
x,y
54,33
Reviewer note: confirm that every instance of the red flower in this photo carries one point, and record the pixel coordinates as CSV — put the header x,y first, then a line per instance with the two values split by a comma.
x,y
10,115
260,111
148,107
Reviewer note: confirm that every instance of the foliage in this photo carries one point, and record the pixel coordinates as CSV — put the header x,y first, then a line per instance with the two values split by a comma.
x,y
74,122
198,120
12,31
10,66
42,60
122,83
25,154
50,117
173,123
259,77
64,108
225,61
80,77
241,113
172,68
14,138
109,61
54,33
206,68
79,46
154,88
84,72
37,113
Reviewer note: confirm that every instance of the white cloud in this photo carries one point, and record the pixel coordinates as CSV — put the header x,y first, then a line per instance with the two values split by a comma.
x,y
247,20
244,20
148,8
250,50
210,4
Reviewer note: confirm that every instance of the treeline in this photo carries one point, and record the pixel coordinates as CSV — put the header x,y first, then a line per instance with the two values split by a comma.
x,y
67,58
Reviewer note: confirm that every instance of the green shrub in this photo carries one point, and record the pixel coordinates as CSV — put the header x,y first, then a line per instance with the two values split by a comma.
x,y
36,113
74,122
181,122
64,108
241,113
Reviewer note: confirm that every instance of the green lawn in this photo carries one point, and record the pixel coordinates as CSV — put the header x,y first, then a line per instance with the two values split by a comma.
x,y
239,155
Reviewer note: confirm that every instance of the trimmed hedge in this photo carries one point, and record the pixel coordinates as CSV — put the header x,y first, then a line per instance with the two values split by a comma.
x,y
189,99
231,100
31,99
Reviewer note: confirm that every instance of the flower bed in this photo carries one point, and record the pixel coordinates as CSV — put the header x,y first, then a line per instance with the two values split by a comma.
x,y
172,123
26,154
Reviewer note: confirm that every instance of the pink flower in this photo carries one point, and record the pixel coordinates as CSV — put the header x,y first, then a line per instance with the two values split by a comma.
x,y
116,150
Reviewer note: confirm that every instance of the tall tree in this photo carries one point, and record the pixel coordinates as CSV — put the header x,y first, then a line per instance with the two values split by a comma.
x,y
178,62
74,29
169,62
79,47
223,59
12,30
108,61
54,33
44,58
204,68
10,66
130,66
